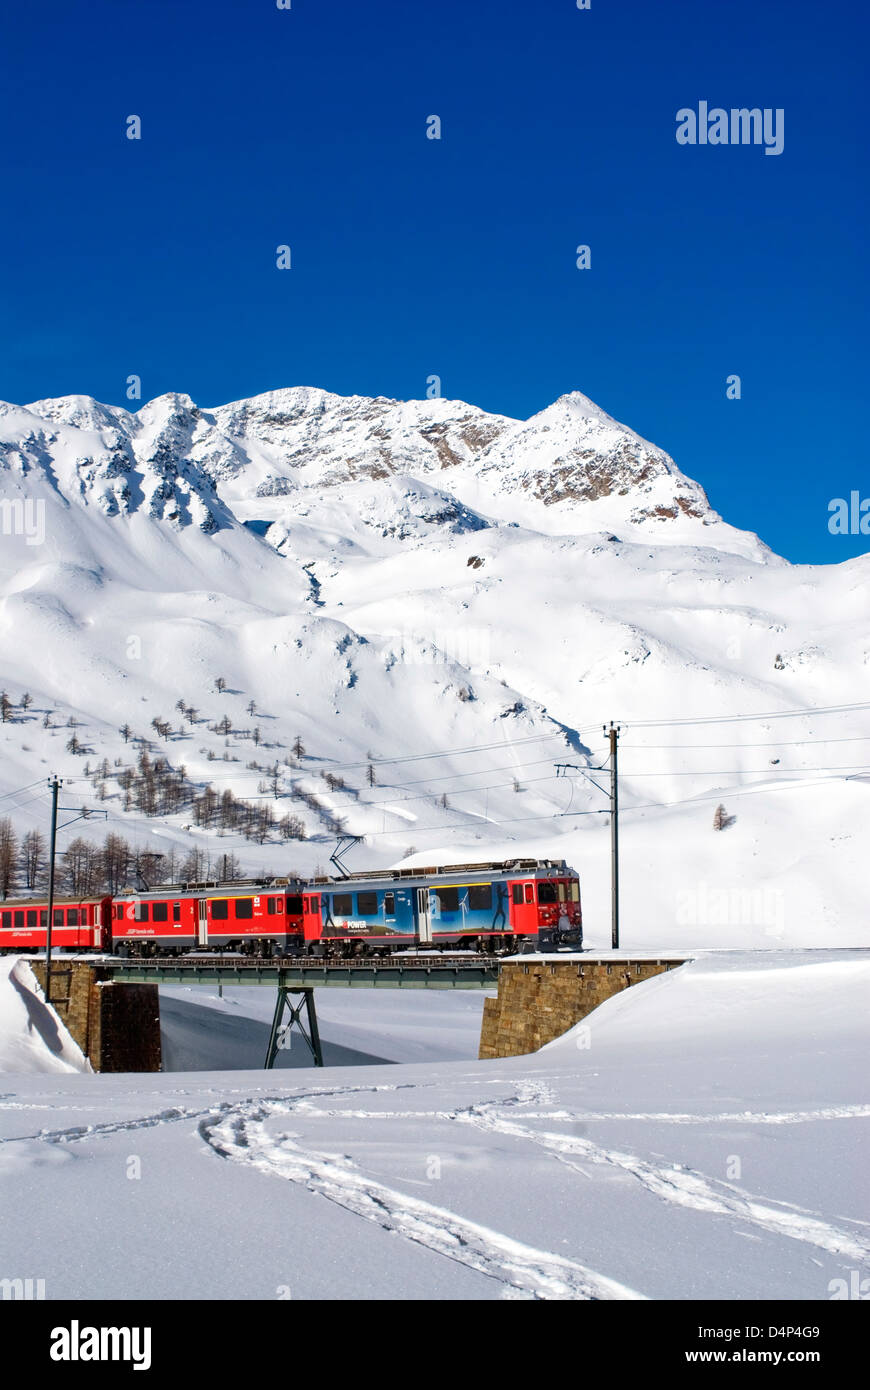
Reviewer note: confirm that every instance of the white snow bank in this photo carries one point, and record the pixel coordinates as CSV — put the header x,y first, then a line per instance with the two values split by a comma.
x,y
32,1036
709,1144
738,1001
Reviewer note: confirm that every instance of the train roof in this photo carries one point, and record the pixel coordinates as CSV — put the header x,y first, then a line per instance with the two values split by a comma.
x,y
507,867
60,900
235,887
240,887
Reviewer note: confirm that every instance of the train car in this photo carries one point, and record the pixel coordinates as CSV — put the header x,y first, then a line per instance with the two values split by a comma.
x,y
255,919
494,908
78,924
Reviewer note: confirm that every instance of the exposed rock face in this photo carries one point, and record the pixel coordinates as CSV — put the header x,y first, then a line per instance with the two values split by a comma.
x,y
184,465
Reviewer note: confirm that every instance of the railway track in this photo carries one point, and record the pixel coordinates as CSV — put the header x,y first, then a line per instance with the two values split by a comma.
x,y
306,972
255,963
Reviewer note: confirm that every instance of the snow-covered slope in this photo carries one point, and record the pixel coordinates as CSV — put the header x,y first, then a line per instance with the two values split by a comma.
x,y
32,1035
443,605
703,1144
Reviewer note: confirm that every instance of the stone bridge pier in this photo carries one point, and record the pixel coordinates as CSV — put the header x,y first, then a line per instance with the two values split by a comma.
x,y
541,998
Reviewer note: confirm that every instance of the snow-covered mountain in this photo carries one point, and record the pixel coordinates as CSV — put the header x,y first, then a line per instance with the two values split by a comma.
x,y
467,595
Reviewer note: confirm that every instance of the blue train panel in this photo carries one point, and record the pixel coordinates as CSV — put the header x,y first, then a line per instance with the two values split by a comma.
x,y
373,911
395,908
469,908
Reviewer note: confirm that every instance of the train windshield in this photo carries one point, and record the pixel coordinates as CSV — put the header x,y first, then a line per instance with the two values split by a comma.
x,y
559,892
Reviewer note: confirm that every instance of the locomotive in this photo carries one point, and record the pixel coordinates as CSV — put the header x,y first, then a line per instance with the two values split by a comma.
x,y
492,908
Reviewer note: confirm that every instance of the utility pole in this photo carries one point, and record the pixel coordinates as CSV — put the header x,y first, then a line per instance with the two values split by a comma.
x,y
55,785
613,735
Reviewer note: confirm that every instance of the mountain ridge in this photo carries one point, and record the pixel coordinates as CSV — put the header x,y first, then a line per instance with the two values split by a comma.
x,y
420,586
190,463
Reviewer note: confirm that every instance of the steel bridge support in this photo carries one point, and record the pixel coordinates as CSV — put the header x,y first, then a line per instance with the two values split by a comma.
x,y
280,1036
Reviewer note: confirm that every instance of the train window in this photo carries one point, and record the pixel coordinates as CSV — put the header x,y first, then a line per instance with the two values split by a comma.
x,y
244,907
575,891
563,892
119,911
220,909
367,904
18,918
294,905
160,912
31,917
448,898
342,903
176,912
6,920
142,913
270,906
72,917
389,904
530,892
58,916
43,916
517,892
546,892
480,897
315,904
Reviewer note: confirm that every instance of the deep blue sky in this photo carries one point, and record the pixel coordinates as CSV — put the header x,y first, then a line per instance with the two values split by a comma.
x,y
413,256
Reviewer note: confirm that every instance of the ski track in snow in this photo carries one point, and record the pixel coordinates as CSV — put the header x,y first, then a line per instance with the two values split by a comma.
x,y
237,1130
524,1271
794,1117
74,1133
682,1186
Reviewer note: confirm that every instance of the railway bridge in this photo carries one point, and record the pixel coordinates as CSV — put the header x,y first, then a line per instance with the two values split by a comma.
x,y
111,1005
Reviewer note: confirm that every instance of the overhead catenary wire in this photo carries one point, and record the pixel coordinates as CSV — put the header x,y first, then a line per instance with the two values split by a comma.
x,y
238,838
327,805
861,706
414,830
771,743
753,771
16,791
331,805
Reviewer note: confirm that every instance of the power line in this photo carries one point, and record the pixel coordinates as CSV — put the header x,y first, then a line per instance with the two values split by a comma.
x,y
463,825
444,753
723,791
748,718
237,838
17,790
22,805
752,771
337,807
330,766
776,743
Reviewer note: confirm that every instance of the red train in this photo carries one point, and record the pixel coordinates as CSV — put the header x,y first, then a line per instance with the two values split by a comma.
x,y
78,924
494,908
